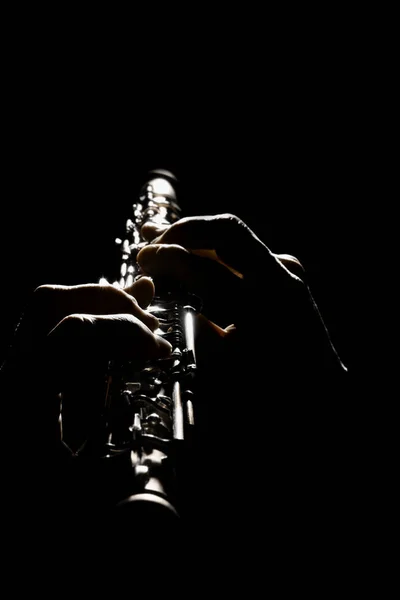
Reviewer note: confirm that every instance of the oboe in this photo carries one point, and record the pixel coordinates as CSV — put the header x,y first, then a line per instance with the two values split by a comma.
x,y
148,420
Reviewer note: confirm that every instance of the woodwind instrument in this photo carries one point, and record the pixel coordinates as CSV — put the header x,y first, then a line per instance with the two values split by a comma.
x,y
146,429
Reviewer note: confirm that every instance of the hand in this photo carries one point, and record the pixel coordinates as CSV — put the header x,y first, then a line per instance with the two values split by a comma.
x,y
66,338
247,290
270,398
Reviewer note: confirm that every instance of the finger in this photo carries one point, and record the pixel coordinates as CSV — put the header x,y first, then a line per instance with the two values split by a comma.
x,y
150,230
233,241
80,348
207,278
51,303
121,336
209,333
142,290
292,264
214,343
208,339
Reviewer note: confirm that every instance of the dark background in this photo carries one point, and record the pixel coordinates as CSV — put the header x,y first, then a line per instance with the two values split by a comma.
x,y
70,192
280,129
285,120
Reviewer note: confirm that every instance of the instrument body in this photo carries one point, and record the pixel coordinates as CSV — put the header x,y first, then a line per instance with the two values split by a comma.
x,y
147,424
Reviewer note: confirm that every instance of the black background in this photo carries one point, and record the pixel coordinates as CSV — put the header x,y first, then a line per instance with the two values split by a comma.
x,y
279,130
70,192
286,120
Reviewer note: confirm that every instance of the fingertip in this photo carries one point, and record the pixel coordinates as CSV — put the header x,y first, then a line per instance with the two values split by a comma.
x,y
142,254
150,230
164,346
142,290
292,264
290,259
145,257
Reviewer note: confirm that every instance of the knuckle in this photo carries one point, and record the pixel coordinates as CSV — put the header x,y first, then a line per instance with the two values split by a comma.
x,y
231,226
230,218
108,289
124,299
